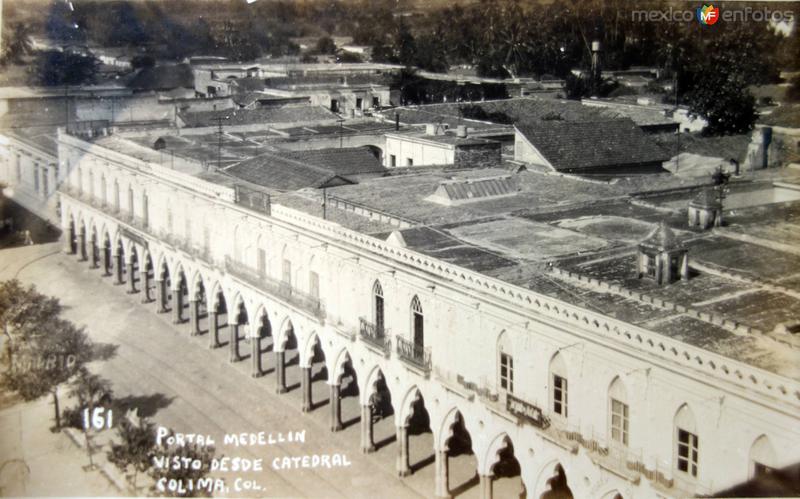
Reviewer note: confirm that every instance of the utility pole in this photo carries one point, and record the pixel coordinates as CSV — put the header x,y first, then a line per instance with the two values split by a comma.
x,y
219,120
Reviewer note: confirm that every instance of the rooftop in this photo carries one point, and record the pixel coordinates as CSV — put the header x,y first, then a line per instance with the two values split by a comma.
x,y
585,145
265,115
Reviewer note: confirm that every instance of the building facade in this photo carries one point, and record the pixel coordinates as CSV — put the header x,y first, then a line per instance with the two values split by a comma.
x,y
576,398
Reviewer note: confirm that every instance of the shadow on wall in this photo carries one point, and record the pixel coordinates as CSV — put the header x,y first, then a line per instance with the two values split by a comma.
x,y
16,220
768,482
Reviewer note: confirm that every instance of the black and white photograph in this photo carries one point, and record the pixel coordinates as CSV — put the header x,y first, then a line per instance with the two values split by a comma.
x,y
400,249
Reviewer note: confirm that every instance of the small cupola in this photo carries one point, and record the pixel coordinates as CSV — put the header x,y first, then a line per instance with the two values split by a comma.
x,y
705,210
662,257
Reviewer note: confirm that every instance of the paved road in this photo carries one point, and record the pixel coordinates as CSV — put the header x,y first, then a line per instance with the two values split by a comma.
x,y
195,390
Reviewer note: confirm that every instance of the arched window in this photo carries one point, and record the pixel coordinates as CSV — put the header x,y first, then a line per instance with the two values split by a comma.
x,y
417,322
687,441
559,390
618,418
762,458
506,362
377,306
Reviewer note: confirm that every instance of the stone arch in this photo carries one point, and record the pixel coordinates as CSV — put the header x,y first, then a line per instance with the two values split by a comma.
x,y
406,405
308,349
552,482
281,339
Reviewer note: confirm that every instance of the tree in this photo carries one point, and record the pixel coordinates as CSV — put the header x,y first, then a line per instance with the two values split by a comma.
x,y
325,45
16,43
724,102
91,391
193,452
136,448
42,362
55,68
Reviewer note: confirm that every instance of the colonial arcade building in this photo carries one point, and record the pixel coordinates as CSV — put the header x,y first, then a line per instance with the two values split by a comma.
x,y
536,395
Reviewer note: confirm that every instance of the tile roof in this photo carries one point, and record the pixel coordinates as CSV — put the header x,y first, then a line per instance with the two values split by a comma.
x,y
577,146
661,238
345,161
164,77
260,115
277,172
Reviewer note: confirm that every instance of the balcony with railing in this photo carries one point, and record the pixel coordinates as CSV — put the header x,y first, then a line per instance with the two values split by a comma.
x,y
280,289
413,354
375,336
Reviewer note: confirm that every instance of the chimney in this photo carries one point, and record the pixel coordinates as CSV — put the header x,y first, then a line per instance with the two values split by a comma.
x,y
596,49
461,131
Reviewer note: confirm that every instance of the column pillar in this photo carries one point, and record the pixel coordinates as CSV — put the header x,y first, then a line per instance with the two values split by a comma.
x,y
685,267
161,284
336,408
442,475
131,279
82,246
194,317
95,255
120,269
177,305
486,486
305,386
280,372
68,236
146,287
255,355
367,444
403,468
213,329
234,342
106,261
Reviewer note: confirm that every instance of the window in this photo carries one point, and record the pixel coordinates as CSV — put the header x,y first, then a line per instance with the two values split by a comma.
x,y
409,162
650,265
559,391
417,322
392,160
619,421
287,272
19,168
91,184
261,262
103,189
507,372
36,178
376,102
687,452
334,105
687,441
116,196
206,239
618,418
130,200
45,183
359,102
169,221
762,458
80,181
187,228
313,284
377,294
560,395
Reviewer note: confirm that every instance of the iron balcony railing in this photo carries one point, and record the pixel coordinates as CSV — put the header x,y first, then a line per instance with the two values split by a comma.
x,y
375,335
414,354
280,289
